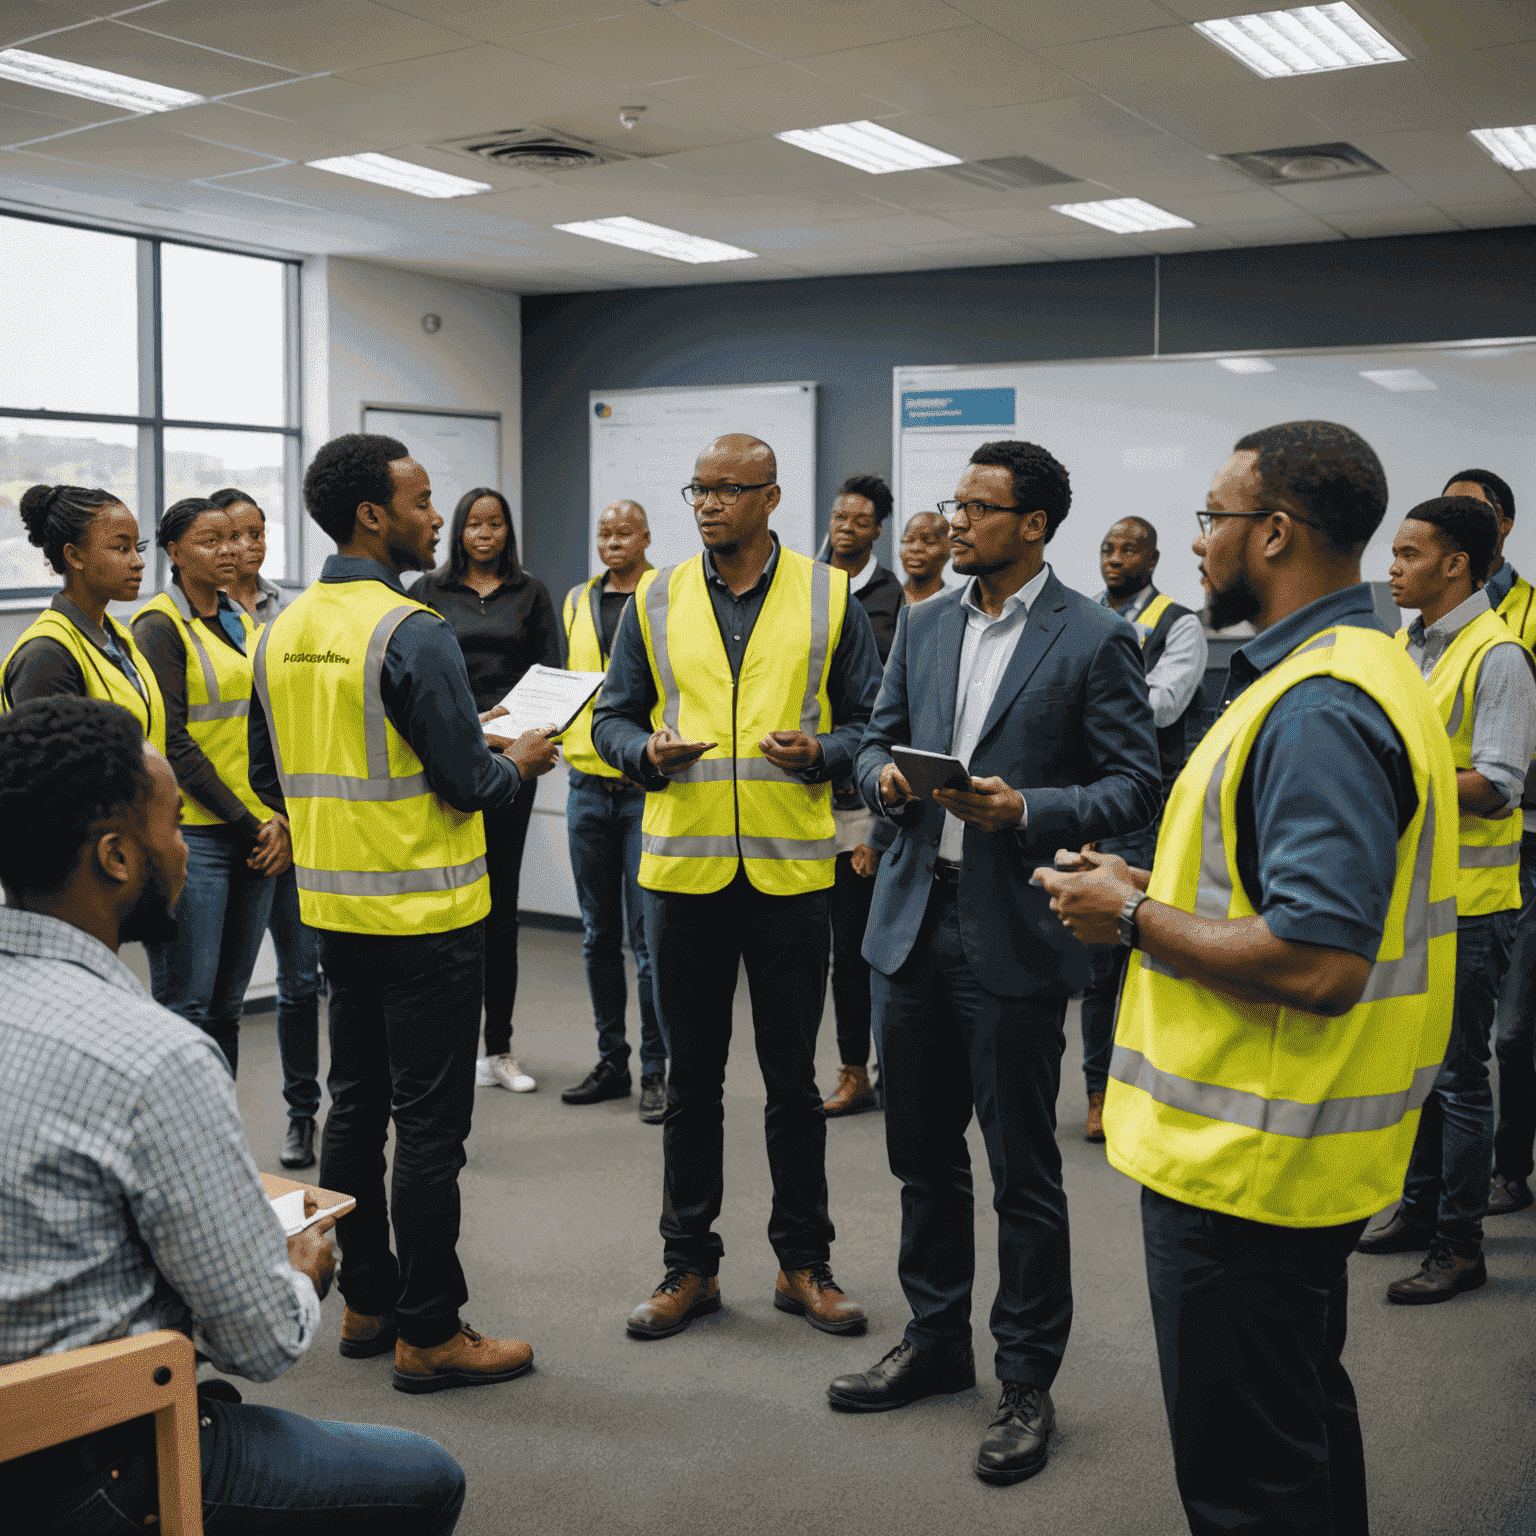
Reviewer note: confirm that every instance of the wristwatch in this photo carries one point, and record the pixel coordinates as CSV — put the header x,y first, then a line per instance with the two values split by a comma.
x,y
1128,932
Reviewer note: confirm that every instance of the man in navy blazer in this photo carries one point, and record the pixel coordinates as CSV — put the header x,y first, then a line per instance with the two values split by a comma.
x,y
1041,692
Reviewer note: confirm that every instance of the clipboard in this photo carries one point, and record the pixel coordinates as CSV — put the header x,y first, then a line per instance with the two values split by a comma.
x,y
332,1202
543,694
928,771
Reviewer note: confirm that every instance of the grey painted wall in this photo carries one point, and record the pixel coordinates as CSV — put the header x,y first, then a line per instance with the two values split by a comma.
x,y
848,333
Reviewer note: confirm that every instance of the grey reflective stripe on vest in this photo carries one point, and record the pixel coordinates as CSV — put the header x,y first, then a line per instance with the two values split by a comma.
x,y
658,598
1276,1117
1500,857
236,709
729,847
336,786
718,770
375,725
210,677
392,882
821,632
262,693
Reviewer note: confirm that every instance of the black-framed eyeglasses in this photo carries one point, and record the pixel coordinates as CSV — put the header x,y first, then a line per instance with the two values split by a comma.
x,y
726,495
1207,520
972,510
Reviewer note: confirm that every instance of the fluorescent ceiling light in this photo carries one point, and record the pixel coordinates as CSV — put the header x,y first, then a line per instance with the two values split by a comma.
x,y
1513,148
1245,364
868,147
1123,215
402,175
656,240
1303,41
94,84
1399,380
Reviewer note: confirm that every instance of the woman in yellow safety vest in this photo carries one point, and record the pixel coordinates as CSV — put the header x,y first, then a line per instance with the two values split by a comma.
x,y
200,646
91,539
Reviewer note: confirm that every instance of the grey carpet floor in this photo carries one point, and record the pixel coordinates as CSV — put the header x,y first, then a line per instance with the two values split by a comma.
x,y
725,1427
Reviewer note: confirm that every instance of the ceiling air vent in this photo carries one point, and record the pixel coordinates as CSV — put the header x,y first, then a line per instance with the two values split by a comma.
x,y
1008,173
1306,162
535,149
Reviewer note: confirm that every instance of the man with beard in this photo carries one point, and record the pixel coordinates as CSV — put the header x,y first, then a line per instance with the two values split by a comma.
x,y
1288,997
127,1195
1041,693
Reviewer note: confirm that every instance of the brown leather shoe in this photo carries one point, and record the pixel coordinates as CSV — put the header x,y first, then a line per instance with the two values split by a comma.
x,y
814,1295
466,1360
363,1336
853,1092
1094,1129
1442,1276
680,1298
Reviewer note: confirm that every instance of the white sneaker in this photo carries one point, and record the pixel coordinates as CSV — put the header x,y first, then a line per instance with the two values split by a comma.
x,y
506,1071
483,1078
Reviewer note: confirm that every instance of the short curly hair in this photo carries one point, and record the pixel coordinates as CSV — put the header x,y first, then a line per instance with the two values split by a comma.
x,y
1040,482
66,765
346,472
1498,489
1466,524
874,490
1329,471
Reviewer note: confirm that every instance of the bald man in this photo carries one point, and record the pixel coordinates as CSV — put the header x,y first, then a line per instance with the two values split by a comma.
x,y
738,690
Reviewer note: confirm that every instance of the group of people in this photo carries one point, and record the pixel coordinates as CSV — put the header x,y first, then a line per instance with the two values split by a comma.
x,y
1289,933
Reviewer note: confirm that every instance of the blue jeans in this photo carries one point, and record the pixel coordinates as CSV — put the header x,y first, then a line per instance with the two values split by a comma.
x,y
298,1000
1515,1042
265,1469
603,829
203,972
1447,1184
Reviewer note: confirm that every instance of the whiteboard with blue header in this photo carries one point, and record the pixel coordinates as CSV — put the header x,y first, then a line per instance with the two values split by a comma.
x,y
1146,435
643,443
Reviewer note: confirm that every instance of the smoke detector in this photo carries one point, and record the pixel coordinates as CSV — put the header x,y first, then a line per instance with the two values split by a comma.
x,y
1305,163
544,150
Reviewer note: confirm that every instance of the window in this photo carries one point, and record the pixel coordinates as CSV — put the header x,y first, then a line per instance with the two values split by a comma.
x,y
153,369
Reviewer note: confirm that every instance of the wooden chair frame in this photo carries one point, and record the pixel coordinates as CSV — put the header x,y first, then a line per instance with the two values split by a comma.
x,y
56,1398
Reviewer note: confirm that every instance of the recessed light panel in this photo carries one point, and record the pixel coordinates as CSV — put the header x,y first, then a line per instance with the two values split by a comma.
x,y
1245,364
868,147
102,85
1123,215
656,240
1513,148
402,175
1303,41
1399,380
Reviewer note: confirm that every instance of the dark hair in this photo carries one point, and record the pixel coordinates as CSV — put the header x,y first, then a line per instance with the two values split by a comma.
x,y
66,764
1039,481
231,495
1143,524
56,515
180,516
874,490
1503,497
346,472
1465,523
1330,472
508,567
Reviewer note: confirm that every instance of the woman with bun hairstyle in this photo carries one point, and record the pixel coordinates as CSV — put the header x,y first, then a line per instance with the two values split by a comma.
x,y
91,539
199,645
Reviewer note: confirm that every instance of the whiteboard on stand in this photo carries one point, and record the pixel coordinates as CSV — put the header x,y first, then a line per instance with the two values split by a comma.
x,y
643,443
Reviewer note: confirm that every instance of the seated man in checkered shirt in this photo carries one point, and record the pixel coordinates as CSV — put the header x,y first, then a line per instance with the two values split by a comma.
x,y
128,1197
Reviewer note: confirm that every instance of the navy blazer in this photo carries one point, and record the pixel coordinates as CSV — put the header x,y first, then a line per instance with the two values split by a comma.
x,y
1070,726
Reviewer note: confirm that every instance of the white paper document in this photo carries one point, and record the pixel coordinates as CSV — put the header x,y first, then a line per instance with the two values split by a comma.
x,y
290,1211
544,696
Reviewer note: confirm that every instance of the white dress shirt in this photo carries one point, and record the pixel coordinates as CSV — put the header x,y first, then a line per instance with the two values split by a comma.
x,y
985,651
1179,671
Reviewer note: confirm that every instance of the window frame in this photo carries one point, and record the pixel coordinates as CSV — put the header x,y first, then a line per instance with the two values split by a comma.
x,y
153,424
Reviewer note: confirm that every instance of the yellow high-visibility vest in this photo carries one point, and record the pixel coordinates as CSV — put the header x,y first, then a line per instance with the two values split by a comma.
x,y
1263,1111
733,804
1518,610
1146,621
102,679
1489,876
584,653
374,849
218,709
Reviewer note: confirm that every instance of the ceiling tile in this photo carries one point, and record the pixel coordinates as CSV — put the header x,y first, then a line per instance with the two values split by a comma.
x,y
377,116
792,29
665,128
25,21
1496,86
498,88
303,35
93,180
1423,153
1298,227
904,229
645,45
1020,223
243,127
763,164
1232,207
146,56
1353,196
495,20
1046,23
945,71
1486,183
1391,98
18,126
1438,26
1370,223
774,98
146,143
73,109
1497,215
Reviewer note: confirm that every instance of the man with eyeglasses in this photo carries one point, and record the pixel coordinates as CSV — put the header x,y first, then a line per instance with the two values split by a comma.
x,y
738,688
1041,693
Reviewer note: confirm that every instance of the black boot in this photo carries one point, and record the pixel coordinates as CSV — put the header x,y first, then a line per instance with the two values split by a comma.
x,y
298,1145
1019,1440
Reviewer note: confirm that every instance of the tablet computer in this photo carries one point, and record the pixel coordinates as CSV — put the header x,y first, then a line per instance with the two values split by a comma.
x,y
928,771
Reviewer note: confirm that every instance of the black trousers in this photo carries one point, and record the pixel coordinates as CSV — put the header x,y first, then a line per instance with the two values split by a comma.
x,y
851,896
1250,1322
506,832
404,1020
947,1045
697,944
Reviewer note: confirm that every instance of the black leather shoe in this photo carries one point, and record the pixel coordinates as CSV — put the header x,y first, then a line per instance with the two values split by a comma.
x,y
1505,1196
1398,1236
602,1082
298,1145
653,1097
1019,1440
903,1377
1442,1276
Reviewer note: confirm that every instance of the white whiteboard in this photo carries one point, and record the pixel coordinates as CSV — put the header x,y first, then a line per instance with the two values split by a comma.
x,y
1146,436
644,442
458,451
